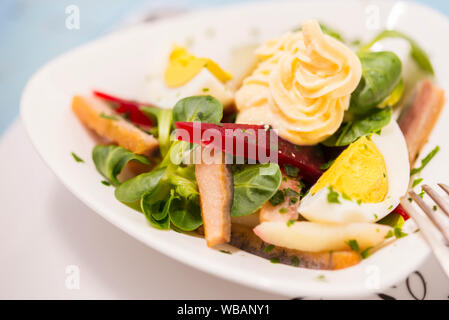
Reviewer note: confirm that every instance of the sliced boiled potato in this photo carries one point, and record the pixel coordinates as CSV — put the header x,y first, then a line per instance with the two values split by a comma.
x,y
316,237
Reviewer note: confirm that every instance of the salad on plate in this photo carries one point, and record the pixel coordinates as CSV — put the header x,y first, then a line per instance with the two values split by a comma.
x,y
300,153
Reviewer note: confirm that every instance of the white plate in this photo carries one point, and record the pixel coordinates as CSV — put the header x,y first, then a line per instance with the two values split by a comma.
x,y
118,64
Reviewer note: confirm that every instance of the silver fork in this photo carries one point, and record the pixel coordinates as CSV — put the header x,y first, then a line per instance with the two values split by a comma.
x,y
433,223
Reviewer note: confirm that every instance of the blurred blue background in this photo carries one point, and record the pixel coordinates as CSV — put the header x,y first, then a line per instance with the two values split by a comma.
x,y
33,31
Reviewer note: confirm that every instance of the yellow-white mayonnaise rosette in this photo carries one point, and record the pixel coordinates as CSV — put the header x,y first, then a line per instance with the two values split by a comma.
x,y
302,85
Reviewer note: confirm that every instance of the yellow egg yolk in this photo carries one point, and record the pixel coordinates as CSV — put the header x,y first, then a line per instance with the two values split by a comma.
x,y
359,172
183,66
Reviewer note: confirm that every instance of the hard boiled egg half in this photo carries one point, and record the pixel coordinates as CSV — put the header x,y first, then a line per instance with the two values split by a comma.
x,y
184,74
365,182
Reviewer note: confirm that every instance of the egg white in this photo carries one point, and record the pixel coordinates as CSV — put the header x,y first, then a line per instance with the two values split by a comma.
x,y
391,144
204,83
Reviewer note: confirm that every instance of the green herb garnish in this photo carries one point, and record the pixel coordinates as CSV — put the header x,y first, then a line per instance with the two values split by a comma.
x,y
268,248
107,116
295,261
283,210
274,260
291,171
290,222
365,253
106,183
77,159
416,182
332,196
327,165
278,198
425,161
226,251
353,244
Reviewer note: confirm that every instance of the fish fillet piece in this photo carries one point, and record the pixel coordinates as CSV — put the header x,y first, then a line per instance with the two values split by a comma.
x,y
419,118
215,186
93,113
268,212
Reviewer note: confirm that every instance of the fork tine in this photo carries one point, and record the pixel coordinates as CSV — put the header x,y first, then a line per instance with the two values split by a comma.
x,y
437,219
430,233
445,187
443,204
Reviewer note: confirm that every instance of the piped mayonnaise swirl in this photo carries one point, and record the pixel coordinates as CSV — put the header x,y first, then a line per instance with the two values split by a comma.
x,y
302,86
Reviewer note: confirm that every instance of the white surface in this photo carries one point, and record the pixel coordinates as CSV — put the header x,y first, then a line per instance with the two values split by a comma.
x,y
55,132
44,228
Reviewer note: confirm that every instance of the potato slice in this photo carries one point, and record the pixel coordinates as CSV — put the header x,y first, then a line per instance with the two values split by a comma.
x,y
316,237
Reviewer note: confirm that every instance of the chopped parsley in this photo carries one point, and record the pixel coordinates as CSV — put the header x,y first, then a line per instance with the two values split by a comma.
x,y
275,260
295,261
389,234
77,159
283,210
277,198
353,244
268,248
321,277
291,193
106,116
327,165
205,89
290,222
106,183
346,197
225,251
359,201
422,193
416,182
425,161
291,171
398,233
435,208
365,253
332,196
293,201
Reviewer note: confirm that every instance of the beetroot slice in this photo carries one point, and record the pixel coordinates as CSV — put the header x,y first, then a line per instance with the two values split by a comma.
x,y
127,107
240,139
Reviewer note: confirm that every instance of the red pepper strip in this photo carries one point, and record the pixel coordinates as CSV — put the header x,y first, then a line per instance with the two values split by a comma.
x,y
401,211
128,107
239,139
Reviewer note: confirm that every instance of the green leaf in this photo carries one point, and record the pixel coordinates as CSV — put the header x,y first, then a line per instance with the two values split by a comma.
x,y
253,186
133,189
381,73
163,118
185,214
198,108
417,53
425,161
110,160
351,131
